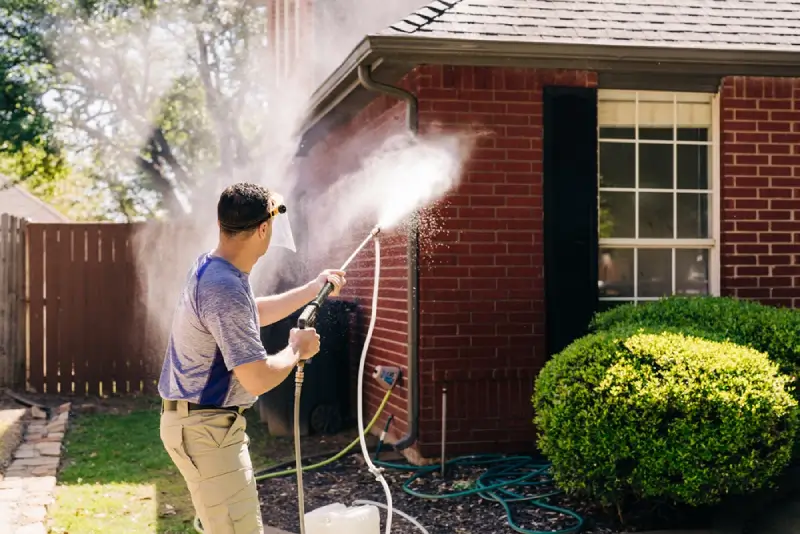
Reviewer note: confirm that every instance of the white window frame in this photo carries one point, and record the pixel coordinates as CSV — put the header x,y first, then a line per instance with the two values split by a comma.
x,y
712,243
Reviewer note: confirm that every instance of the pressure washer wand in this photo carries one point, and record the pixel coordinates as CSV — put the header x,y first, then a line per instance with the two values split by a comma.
x,y
308,318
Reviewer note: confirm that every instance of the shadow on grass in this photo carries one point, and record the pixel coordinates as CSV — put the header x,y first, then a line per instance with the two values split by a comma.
x,y
117,477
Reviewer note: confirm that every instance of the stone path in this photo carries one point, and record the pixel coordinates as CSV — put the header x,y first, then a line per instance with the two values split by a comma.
x,y
26,489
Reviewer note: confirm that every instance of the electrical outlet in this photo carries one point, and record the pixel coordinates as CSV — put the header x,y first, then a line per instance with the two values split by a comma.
x,y
387,376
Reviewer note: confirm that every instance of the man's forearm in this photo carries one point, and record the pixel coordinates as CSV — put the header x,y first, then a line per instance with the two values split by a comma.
x,y
280,366
261,376
274,308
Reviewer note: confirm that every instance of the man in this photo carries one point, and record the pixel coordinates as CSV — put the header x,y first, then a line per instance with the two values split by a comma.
x,y
216,366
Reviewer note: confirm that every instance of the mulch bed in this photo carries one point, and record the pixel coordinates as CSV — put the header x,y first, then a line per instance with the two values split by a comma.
x,y
349,480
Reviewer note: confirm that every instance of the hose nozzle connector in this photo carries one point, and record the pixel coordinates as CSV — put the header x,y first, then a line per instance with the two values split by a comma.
x,y
299,375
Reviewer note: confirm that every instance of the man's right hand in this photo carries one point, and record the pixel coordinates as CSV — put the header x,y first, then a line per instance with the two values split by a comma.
x,y
304,343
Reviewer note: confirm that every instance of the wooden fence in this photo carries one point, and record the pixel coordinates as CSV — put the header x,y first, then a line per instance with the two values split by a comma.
x,y
12,301
87,333
85,308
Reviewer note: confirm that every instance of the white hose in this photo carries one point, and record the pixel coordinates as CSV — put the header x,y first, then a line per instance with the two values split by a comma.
x,y
399,512
362,364
362,438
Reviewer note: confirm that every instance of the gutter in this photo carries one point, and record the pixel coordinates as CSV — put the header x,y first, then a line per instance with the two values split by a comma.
x,y
603,57
412,122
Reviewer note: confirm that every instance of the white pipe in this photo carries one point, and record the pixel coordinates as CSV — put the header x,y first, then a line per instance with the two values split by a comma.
x,y
362,438
399,512
362,364
444,423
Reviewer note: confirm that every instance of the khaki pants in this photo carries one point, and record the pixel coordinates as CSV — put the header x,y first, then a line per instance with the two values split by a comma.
x,y
209,447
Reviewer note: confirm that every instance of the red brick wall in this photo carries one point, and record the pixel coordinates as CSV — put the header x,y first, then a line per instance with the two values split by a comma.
x,y
333,157
482,280
761,189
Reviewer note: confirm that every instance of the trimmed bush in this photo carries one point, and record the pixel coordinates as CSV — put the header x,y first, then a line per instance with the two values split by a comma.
x,y
775,331
663,416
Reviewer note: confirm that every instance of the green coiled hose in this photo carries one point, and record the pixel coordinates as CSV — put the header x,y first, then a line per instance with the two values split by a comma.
x,y
507,480
502,482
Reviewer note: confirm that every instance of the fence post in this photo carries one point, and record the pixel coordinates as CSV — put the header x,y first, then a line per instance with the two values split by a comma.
x,y
5,300
12,302
19,371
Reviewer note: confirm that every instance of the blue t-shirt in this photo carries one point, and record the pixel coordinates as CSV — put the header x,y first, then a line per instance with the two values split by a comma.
x,y
215,329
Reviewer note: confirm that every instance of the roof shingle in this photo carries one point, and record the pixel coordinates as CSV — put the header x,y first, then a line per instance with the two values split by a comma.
x,y
719,24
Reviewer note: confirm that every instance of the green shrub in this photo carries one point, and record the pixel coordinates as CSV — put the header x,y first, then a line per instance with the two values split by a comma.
x,y
775,331
663,416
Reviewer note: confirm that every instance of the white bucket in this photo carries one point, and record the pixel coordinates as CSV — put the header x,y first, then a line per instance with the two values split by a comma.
x,y
339,519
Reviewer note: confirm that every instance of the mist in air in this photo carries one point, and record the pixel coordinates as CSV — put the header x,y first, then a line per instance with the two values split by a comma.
x,y
254,123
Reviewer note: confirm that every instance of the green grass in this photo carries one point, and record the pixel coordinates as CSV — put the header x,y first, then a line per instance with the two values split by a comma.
x,y
118,477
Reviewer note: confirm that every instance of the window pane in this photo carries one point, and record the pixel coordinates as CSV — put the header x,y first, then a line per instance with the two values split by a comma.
x,y
617,214
660,134
655,272
655,215
691,271
693,134
615,272
617,165
617,132
694,114
692,167
692,215
655,166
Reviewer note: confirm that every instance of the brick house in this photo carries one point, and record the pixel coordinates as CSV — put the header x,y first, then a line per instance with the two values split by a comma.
x,y
637,150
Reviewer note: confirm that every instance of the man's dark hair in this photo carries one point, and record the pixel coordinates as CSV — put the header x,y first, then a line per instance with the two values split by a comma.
x,y
242,207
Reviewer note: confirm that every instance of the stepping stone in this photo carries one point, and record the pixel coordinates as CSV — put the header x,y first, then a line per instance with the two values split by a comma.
x,y
36,462
43,499
24,453
20,472
10,494
35,528
44,471
33,514
49,449
41,484
11,483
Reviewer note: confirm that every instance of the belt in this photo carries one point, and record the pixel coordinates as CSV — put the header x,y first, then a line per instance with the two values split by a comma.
x,y
172,406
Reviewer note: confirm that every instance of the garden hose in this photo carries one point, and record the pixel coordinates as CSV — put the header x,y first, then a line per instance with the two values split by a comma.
x,y
337,456
301,499
505,480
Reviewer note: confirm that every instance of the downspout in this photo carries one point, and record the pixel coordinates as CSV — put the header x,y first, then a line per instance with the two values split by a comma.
x,y
412,122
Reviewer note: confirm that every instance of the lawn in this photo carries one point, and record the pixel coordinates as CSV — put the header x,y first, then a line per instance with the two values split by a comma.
x,y
118,478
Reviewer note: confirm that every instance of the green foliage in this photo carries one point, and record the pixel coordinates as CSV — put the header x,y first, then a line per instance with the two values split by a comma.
x,y
150,100
774,331
29,150
658,415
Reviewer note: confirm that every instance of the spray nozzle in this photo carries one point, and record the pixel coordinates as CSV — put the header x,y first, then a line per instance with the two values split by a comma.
x,y
375,231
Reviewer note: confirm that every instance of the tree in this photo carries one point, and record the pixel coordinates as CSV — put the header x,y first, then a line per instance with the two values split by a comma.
x,y
28,149
152,100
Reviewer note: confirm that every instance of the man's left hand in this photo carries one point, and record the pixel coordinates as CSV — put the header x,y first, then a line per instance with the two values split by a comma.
x,y
335,277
